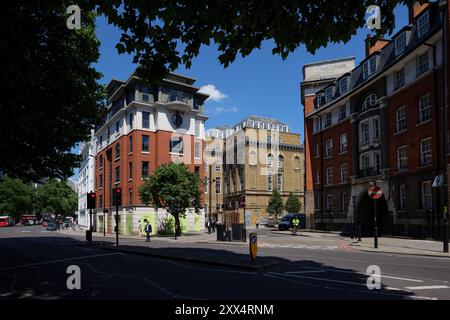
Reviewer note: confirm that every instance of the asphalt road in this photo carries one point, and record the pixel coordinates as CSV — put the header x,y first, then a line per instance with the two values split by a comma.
x,y
33,265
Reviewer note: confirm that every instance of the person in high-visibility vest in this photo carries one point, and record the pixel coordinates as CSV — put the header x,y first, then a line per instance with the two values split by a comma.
x,y
296,223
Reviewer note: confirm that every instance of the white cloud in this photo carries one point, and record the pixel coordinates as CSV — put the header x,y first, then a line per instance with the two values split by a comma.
x,y
213,92
218,110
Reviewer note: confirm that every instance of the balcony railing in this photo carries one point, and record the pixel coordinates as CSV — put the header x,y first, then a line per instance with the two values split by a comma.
x,y
368,172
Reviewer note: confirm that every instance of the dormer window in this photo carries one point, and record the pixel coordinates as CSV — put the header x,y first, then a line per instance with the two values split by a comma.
x,y
319,100
369,101
328,94
400,44
343,85
423,24
369,67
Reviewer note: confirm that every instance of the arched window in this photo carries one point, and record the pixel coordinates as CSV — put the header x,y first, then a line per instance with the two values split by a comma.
x,y
280,162
176,145
369,101
117,151
280,181
269,160
297,162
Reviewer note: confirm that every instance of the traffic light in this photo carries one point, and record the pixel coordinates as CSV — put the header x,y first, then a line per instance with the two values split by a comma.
x,y
91,200
117,196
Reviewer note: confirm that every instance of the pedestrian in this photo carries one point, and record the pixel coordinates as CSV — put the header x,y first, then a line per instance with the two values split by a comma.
x,y
257,224
208,224
148,231
140,228
213,225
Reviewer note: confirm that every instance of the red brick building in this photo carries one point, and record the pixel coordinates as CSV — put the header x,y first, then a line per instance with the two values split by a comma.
x,y
146,127
381,122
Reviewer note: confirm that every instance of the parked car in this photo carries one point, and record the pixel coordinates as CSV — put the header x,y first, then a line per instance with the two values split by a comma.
x,y
286,221
52,227
45,224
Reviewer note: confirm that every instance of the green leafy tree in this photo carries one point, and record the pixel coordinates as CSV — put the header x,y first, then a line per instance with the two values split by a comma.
x,y
50,97
164,34
293,204
56,197
174,188
275,204
16,197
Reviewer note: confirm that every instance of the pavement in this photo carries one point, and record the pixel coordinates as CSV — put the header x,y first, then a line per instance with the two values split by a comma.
x,y
34,266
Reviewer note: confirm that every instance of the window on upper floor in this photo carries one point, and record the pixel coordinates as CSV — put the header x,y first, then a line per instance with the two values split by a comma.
x,y
197,150
424,108
329,148
317,150
364,133
343,85
369,67
130,144
145,144
145,120
402,158
130,120
117,151
365,161
427,195
423,24
400,119
328,119
376,128
117,126
344,173
369,101
297,163
400,43
343,143
329,202
426,152
329,175
342,112
317,124
318,177
269,160
176,145
422,64
280,162
328,94
399,78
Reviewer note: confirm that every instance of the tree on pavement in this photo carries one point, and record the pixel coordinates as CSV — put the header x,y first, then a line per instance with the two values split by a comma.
x,y
56,197
293,204
50,95
174,188
275,205
16,197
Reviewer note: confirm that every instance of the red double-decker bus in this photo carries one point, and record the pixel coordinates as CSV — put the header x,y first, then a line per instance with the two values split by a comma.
x,y
28,219
6,221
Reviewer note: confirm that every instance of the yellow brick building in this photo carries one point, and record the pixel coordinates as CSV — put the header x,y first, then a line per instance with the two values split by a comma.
x,y
250,160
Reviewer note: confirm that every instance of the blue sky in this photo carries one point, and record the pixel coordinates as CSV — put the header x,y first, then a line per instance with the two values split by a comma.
x,y
261,83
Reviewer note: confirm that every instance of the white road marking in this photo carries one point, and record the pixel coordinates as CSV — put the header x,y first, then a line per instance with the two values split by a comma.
x,y
427,287
25,231
60,260
310,271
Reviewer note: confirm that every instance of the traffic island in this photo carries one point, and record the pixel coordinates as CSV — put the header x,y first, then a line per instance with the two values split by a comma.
x,y
223,259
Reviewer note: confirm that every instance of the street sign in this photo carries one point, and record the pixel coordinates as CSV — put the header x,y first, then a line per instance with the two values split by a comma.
x,y
375,192
253,245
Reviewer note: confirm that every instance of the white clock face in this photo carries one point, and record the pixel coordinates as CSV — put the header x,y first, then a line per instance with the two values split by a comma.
x,y
177,120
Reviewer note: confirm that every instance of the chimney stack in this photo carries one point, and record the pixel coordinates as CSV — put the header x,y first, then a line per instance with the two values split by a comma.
x,y
415,9
373,45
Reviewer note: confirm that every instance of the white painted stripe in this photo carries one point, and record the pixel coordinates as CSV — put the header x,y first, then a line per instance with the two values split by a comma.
x,y
61,260
320,279
427,287
301,272
25,231
396,278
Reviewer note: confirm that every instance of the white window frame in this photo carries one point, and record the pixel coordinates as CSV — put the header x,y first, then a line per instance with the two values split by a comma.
x,y
424,108
399,81
402,158
342,112
426,155
344,172
329,148
329,202
318,177
343,143
400,119
280,181
328,119
364,138
328,94
369,101
423,24
376,128
422,66
329,176
400,44
427,197
343,85
369,67
270,182
317,150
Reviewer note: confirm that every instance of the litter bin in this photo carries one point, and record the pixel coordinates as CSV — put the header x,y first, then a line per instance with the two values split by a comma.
x,y
89,236
220,232
228,235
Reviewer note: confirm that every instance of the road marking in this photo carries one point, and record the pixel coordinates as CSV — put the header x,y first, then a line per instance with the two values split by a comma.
x,y
319,279
427,287
25,231
362,273
60,260
310,271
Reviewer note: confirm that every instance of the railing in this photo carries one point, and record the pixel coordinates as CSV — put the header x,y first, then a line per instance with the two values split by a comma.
x,y
368,172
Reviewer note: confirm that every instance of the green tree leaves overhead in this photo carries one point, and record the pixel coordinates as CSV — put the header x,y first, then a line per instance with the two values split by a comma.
x,y
174,188
50,96
164,34
293,204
